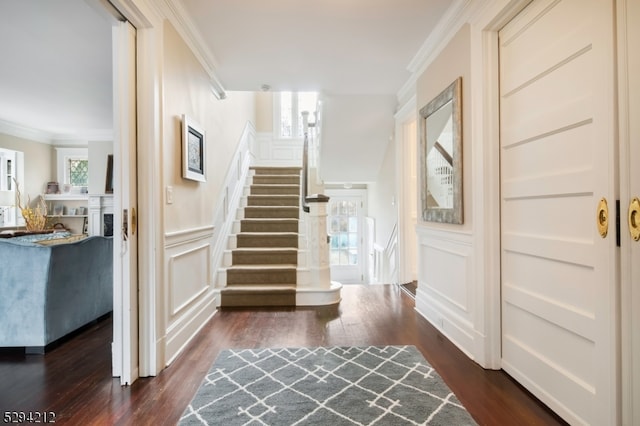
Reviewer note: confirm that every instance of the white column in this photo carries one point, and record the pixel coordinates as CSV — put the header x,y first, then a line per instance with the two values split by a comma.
x,y
318,243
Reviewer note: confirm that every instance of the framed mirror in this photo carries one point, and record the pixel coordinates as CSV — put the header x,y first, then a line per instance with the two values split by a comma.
x,y
441,156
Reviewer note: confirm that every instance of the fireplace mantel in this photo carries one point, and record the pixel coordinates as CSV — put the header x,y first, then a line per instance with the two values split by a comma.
x,y
99,206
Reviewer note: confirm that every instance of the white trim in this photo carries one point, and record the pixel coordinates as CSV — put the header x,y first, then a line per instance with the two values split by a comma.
x,y
406,114
148,20
179,18
75,137
63,155
453,19
627,11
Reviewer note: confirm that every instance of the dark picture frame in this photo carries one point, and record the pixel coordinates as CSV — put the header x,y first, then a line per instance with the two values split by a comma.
x,y
108,187
193,150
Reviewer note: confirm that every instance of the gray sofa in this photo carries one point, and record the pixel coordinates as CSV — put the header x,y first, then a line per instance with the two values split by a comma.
x,y
48,291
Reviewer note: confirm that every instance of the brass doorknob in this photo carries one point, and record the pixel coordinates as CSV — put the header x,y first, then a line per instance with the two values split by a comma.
x,y
634,219
602,218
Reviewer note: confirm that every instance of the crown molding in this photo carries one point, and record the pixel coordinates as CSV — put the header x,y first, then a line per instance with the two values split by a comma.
x,y
179,18
454,18
79,137
25,132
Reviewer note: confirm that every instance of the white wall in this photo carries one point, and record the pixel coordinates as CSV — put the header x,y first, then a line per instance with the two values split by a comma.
x,y
383,198
191,214
447,285
355,133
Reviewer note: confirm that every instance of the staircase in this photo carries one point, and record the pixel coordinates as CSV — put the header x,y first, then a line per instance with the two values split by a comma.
x,y
261,266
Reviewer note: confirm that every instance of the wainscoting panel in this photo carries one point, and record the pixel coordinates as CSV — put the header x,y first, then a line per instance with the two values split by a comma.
x,y
188,273
192,257
190,298
445,294
277,152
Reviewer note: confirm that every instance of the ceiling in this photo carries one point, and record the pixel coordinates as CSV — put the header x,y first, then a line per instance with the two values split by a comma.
x,y
56,69
55,75
333,46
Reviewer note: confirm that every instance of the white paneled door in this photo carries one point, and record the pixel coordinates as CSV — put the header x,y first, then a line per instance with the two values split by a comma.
x,y
125,307
557,148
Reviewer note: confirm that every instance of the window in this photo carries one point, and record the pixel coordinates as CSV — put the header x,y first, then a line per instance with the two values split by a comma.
x,y
78,170
288,107
73,167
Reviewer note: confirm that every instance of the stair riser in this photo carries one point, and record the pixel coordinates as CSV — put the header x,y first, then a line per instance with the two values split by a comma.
x,y
266,258
273,200
256,299
227,260
251,226
277,180
274,190
267,241
283,213
252,277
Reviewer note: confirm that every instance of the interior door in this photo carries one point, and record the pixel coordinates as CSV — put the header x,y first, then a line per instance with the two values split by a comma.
x,y
559,275
346,229
629,94
125,312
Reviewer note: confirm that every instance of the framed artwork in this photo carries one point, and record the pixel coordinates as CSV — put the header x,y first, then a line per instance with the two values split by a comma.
x,y
193,150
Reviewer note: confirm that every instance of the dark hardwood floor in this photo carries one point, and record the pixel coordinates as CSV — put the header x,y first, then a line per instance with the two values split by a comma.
x,y
74,379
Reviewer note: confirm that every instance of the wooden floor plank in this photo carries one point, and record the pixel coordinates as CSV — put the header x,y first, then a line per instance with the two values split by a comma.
x,y
74,379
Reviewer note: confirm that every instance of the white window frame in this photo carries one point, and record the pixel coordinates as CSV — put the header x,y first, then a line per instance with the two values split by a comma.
x,y
11,216
63,156
296,118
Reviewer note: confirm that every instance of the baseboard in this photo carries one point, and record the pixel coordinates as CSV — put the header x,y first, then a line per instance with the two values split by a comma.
x,y
459,332
180,333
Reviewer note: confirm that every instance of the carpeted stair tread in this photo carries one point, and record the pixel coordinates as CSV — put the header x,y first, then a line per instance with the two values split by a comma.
x,y
274,170
263,267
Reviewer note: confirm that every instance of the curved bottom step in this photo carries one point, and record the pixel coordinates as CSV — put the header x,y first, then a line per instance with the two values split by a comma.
x,y
278,296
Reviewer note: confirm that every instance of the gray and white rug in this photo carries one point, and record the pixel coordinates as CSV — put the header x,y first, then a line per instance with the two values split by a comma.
x,y
390,385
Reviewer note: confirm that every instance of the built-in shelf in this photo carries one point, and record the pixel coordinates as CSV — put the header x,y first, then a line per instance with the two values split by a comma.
x,y
66,197
69,215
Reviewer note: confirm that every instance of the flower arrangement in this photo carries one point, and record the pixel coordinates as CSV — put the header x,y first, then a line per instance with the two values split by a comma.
x,y
35,217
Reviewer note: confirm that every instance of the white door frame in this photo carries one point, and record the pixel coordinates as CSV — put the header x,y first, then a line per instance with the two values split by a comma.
x,y
406,190
361,195
628,14
148,21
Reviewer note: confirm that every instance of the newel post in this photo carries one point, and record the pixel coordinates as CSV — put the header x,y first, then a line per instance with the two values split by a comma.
x,y
318,245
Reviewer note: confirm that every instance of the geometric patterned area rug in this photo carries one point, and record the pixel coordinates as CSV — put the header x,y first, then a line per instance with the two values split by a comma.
x,y
375,385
